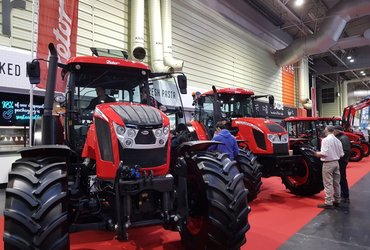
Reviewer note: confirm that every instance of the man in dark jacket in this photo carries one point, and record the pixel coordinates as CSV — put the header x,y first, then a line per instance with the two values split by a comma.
x,y
229,145
343,161
102,97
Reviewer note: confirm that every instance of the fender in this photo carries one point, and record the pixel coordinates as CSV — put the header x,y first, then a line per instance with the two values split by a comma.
x,y
196,146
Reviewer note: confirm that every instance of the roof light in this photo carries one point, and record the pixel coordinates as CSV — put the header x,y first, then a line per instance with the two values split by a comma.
x,y
352,60
361,71
349,57
299,2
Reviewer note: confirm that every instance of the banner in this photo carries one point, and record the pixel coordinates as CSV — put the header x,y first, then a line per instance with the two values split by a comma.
x,y
57,25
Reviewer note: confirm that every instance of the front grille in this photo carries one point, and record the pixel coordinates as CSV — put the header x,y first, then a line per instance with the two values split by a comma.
x,y
145,136
143,157
104,139
280,148
260,139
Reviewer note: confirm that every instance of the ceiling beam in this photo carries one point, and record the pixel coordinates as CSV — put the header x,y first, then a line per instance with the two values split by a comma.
x,y
335,70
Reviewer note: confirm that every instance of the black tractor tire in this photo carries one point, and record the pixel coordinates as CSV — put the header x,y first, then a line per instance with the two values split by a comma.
x,y
366,147
357,153
35,215
248,165
218,207
309,181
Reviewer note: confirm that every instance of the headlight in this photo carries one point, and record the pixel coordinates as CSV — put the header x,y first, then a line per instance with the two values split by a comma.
x,y
166,130
129,142
274,138
284,138
120,130
131,133
158,132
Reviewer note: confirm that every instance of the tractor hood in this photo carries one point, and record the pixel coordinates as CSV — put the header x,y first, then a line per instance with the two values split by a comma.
x,y
261,125
129,114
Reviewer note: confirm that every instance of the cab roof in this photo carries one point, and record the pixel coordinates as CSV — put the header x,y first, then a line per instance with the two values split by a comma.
x,y
297,119
107,61
230,91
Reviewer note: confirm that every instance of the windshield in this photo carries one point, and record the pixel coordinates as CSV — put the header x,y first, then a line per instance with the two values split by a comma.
x,y
236,105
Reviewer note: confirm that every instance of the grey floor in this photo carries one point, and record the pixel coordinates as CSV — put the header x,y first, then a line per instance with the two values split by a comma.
x,y
347,227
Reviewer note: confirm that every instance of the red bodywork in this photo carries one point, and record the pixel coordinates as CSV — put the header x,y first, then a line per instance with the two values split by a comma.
x,y
107,169
350,111
107,61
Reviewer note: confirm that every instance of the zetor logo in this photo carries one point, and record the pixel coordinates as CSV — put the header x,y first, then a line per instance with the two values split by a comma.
x,y
63,32
112,62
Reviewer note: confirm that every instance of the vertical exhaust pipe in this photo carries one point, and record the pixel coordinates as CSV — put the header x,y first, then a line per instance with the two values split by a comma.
x,y
137,30
167,37
156,44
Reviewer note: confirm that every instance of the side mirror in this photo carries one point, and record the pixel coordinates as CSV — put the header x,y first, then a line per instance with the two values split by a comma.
x,y
33,71
182,82
271,99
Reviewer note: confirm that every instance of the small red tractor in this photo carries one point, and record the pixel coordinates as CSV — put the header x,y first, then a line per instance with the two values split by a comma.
x,y
263,144
118,171
310,130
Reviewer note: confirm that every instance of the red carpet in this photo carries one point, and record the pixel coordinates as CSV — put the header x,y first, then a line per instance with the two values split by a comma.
x,y
276,215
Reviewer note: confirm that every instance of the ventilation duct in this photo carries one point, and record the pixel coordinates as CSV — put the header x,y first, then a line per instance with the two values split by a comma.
x,y
137,30
327,36
167,37
303,84
156,44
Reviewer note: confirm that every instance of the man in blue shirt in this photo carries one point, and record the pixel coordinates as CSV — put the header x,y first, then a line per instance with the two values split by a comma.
x,y
229,145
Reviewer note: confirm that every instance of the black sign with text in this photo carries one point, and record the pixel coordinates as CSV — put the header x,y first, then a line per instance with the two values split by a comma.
x,y
264,109
15,109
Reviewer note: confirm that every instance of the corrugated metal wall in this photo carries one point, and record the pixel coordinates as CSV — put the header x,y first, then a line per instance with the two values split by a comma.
x,y
215,51
328,109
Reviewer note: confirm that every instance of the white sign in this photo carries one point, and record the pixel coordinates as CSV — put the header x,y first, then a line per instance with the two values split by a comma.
x,y
165,92
13,68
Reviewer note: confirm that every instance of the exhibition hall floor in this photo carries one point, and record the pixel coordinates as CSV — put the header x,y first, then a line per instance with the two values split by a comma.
x,y
279,220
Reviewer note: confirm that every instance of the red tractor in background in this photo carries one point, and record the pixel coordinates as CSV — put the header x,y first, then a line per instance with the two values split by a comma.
x,y
263,143
310,130
114,168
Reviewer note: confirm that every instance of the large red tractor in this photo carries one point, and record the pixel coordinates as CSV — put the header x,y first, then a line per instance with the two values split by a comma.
x,y
263,143
117,171
310,130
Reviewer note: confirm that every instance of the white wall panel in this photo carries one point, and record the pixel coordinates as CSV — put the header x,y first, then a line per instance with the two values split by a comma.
x,y
218,52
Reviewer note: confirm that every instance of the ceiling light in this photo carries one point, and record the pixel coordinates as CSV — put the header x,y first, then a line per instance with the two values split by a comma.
x,y
361,71
299,2
352,60
349,57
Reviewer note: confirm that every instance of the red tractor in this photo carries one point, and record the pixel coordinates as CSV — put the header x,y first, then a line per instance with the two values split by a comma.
x,y
310,130
263,143
118,171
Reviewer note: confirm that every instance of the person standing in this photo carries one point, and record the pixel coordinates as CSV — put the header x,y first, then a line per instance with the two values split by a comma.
x,y
331,152
229,145
343,162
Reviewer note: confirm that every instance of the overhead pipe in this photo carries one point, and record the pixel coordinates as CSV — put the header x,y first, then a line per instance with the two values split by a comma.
x,y
167,37
156,44
353,41
137,50
327,36
303,84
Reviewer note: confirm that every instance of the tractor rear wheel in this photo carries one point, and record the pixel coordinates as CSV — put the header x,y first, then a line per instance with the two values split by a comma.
x,y
248,165
36,205
218,209
357,153
366,147
309,180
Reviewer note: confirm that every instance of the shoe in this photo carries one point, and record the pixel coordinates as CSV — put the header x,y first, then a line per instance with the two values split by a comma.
x,y
326,206
336,204
345,200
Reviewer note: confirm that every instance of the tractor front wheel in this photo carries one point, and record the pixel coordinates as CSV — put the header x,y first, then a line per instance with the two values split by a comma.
x,y
36,205
218,209
248,165
309,180
357,153
366,147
